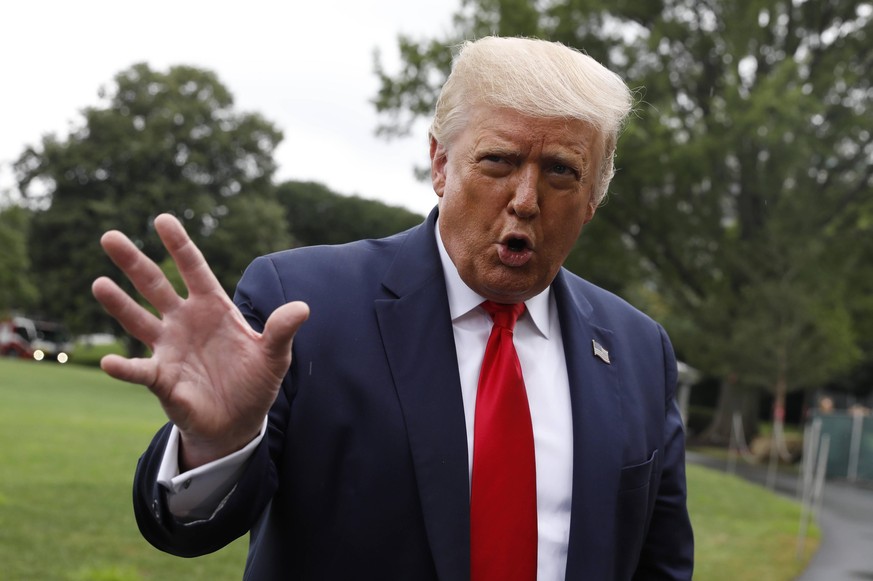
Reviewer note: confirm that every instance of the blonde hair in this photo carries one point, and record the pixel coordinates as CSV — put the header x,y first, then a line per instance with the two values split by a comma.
x,y
536,78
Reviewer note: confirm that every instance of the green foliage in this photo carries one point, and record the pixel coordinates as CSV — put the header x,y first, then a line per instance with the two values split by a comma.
x,y
161,141
744,178
90,355
17,291
317,215
252,226
602,258
410,95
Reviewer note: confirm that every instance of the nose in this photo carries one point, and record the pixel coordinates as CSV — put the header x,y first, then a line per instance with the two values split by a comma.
x,y
525,200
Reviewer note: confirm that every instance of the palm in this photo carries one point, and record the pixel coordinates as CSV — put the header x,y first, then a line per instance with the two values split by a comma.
x,y
214,376
210,379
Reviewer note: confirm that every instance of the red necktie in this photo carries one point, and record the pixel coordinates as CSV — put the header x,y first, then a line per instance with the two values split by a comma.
x,y
503,500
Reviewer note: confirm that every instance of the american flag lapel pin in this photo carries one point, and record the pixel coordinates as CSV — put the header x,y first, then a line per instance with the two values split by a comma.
x,y
600,352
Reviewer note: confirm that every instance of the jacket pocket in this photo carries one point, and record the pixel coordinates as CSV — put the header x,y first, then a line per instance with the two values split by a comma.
x,y
634,505
638,475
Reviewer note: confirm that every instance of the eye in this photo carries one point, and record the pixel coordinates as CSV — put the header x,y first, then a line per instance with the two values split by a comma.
x,y
564,170
495,165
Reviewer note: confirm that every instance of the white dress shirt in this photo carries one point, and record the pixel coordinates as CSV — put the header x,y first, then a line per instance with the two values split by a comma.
x,y
197,494
537,340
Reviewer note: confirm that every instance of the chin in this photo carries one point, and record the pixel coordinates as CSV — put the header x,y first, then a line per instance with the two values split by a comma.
x,y
510,294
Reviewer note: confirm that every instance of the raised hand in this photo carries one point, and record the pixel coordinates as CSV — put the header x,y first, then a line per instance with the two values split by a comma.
x,y
215,377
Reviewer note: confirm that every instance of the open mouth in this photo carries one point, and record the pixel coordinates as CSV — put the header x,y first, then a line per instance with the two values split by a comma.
x,y
515,251
516,245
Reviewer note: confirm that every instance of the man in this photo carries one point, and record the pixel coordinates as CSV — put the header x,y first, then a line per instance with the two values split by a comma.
x,y
378,456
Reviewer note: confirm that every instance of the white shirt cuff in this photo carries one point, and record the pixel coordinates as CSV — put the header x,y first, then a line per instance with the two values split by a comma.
x,y
199,493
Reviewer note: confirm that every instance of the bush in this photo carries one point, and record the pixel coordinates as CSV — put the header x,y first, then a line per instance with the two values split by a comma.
x,y
89,354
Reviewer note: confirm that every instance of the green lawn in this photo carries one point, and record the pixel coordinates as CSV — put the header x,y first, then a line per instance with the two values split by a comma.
x,y
743,532
69,441
70,438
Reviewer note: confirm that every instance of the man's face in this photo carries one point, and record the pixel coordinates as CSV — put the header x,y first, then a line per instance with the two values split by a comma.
x,y
514,193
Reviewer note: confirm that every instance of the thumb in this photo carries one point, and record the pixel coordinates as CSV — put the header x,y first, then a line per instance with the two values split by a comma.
x,y
281,327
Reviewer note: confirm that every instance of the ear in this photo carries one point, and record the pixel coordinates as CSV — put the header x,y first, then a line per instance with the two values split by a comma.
x,y
438,162
589,211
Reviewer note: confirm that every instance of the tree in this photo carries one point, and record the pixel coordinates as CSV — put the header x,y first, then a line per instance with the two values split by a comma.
x,y
317,215
859,278
159,141
748,159
250,226
17,291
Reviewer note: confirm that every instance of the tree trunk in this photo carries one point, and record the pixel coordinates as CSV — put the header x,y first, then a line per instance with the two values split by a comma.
x,y
780,392
778,449
731,398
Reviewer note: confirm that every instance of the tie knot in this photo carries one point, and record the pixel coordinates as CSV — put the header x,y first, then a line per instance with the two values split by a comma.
x,y
502,314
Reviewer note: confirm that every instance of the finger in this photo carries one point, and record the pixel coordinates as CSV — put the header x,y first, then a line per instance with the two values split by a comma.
x,y
192,266
145,275
136,320
281,327
140,371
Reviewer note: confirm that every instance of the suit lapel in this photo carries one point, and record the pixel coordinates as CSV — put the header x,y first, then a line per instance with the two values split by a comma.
x,y
595,397
416,331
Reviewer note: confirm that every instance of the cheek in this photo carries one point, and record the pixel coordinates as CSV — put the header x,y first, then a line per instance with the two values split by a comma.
x,y
564,229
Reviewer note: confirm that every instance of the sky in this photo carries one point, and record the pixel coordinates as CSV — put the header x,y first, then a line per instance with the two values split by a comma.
x,y
305,66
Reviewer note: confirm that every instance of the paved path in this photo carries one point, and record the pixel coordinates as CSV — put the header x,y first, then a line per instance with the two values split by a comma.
x,y
846,523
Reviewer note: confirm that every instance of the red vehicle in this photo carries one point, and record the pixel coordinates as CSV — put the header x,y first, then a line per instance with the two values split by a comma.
x,y
34,339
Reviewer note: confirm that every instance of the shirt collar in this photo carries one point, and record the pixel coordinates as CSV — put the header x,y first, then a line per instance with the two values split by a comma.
x,y
463,299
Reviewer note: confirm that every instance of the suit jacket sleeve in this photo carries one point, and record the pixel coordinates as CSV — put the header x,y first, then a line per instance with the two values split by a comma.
x,y
252,493
668,551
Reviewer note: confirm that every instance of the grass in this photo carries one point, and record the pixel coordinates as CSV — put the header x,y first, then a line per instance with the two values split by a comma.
x,y
70,437
69,441
744,532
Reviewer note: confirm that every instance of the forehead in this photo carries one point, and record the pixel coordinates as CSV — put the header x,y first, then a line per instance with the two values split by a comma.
x,y
499,127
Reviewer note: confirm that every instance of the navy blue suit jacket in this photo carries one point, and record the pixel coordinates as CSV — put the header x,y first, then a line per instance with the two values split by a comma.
x,y
363,472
